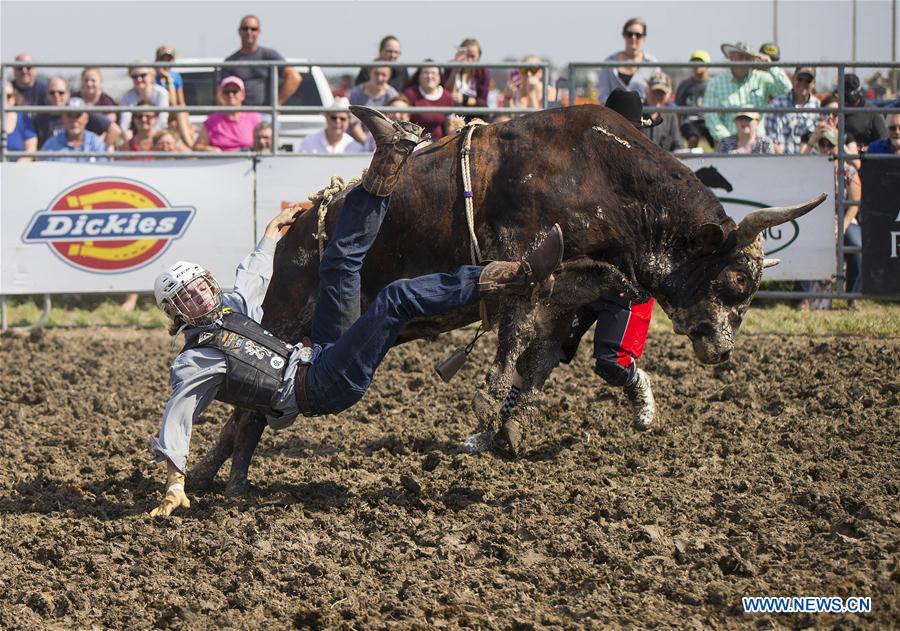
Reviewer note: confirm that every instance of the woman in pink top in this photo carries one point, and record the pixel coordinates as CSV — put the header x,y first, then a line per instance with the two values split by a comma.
x,y
232,131
426,91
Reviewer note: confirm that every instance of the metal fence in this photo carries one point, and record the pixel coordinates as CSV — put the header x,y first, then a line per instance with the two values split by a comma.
x,y
576,77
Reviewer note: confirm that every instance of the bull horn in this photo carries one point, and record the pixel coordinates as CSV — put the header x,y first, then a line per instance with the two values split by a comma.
x,y
770,262
759,220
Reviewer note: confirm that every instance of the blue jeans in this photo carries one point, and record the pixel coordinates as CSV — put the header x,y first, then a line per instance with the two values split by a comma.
x,y
353,346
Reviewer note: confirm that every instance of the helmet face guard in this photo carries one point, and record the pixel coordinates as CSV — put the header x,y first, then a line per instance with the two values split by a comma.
x,y
188,292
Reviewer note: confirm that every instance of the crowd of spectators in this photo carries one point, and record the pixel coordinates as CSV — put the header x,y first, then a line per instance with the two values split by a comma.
x,y
746,88
749,89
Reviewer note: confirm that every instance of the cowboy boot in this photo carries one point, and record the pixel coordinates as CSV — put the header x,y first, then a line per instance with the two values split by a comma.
x,y
640,394
394,141
508,277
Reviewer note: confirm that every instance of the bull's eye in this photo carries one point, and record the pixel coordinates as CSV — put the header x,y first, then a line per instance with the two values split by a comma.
x,y
735,285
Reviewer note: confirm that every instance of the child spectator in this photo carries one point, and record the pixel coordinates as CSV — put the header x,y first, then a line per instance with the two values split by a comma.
x,y
262,137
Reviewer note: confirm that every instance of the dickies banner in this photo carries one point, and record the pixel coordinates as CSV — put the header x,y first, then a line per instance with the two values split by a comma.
x,y
97,227
880,219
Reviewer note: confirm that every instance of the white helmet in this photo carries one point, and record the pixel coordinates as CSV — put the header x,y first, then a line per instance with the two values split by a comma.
x,y
171,283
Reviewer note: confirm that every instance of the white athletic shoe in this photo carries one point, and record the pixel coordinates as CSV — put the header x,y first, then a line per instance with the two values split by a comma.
x,y
641,397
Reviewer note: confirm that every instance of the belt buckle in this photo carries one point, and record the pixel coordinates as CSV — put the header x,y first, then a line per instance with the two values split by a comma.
x,y
305,354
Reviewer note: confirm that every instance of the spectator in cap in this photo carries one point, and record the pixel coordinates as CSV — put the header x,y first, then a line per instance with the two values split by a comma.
x,y
627,77
665,134
91,91
747,139
144,89
172,82
75,137
891,144
18,126
30,87
48,125
790,130
690,94
741,85
258,81
229,131
864,127
388,50
334,138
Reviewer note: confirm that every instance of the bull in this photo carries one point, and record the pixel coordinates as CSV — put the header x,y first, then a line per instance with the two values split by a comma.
x,y
637,223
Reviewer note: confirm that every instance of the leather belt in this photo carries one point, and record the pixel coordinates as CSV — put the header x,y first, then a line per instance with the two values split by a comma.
x,y
300,385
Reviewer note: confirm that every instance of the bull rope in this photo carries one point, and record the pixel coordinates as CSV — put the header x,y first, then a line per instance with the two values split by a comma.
x,y
326,196
468,195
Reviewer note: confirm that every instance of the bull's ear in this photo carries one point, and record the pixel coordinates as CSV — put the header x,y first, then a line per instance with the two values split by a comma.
x,y
708,237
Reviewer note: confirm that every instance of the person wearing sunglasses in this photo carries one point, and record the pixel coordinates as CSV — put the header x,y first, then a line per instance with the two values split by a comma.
x,y
145,89
627,77
891,144
258,80
48,125
30,87
525,87
229,131
867,126
334,138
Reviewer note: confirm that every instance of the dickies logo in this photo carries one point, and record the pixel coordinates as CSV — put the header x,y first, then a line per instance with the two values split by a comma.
x,y
109,225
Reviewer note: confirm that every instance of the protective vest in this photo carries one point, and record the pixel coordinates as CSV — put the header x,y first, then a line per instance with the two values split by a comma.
x,y
255,360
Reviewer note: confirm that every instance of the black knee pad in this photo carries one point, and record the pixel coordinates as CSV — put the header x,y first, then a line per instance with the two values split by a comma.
x,y
614,374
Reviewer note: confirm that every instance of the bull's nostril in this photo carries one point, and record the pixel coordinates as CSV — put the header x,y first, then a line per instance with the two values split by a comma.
x,y
726,356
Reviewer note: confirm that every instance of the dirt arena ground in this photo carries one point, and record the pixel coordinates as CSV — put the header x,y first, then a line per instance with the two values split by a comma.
x,y
776,474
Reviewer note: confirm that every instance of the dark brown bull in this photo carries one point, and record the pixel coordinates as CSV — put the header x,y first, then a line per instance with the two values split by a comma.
x,y
637,222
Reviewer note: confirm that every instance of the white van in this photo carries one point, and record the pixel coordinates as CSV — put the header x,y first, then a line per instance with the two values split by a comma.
x,y
200,89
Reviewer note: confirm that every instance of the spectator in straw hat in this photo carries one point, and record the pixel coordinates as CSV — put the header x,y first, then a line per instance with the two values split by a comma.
x,y
740,85
664,134
791,129
334,138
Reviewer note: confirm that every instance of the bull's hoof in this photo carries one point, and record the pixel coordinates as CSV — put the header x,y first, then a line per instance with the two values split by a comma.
x,y
238,486
485,409
512,438
479,443
202,475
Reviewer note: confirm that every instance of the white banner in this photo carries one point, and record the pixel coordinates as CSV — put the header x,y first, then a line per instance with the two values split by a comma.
x,y
295,179
95,227
805,246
